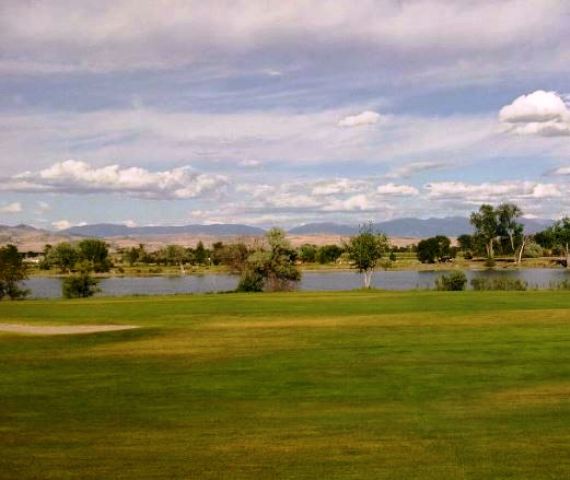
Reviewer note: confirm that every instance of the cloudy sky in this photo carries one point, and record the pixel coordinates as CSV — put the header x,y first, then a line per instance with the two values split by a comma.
x,y
272,112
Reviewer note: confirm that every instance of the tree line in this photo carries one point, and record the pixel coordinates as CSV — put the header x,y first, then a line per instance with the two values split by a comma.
x,y
273,264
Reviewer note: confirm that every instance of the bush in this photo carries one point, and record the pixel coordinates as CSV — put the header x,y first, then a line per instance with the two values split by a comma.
x,y
82,285
563,285
490,263
533,250
499,284
250,281
453,282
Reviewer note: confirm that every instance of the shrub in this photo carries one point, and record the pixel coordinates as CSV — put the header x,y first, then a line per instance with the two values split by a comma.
x,y
533,250
82,285
250,281
563,285
453,282
499,284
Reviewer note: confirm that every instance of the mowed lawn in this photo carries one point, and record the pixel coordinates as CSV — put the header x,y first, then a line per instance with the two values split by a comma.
x,y
358,385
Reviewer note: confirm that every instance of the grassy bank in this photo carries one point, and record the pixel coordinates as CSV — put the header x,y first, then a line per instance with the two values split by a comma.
x,y
404,385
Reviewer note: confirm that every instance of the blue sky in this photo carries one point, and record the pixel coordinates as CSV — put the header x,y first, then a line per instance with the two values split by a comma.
x,y
281,113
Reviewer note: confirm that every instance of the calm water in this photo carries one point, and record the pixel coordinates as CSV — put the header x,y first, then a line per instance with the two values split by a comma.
x,y
390,280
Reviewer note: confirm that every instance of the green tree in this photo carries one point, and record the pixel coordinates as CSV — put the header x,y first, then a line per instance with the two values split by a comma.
x,y
308,253
218,253
486,224
365,250
12,272
64,256
272,267
560,233
434,248
96,252
176,255
328,253
510,228
201,255
131,255
235,256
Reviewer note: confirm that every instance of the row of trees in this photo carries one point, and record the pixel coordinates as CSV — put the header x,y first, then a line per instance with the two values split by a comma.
x,y
499,227
273,267
88,255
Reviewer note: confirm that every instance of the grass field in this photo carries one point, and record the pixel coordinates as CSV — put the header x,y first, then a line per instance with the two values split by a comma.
x,y
416,385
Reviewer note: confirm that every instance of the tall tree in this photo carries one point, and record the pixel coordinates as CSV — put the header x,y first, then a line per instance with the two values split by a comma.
x,y
12,272
96,252
486,224
508,214
365,251
200,254
64,256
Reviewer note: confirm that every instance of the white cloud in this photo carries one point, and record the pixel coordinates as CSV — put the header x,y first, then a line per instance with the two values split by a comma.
x,y
250,163
72,176
539,113
15,207
355,202
397,190
562,171
62,224
95,35
492,192
365,118
43,207
411,169
338,186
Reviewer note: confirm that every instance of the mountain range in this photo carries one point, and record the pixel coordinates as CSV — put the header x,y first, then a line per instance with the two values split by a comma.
x,y
401,227
115,230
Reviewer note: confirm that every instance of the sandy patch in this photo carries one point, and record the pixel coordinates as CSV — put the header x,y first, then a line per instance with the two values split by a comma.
x,y
61,330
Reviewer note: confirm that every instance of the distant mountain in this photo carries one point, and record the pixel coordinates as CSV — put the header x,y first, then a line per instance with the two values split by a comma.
x,y
28,238
114,230
411,227
533,225
324,228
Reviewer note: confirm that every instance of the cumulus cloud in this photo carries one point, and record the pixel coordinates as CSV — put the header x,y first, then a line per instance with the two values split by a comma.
x,y
539,113
15,207
492,192
397,190
365,118
355,202
65,224
61,224
72,176
339,186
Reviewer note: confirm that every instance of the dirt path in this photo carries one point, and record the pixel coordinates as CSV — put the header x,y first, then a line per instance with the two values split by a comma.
x,y
61,330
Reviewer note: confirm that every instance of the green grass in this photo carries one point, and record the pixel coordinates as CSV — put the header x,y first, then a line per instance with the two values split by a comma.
x,y
406,385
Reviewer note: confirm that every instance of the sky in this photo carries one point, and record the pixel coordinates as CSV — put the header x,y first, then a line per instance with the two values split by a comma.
x,y
170,112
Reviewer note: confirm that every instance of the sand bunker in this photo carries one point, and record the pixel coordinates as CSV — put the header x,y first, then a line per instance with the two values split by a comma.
x,y
61,330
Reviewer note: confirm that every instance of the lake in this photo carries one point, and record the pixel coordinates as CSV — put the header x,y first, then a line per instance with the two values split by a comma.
x,y
312,281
